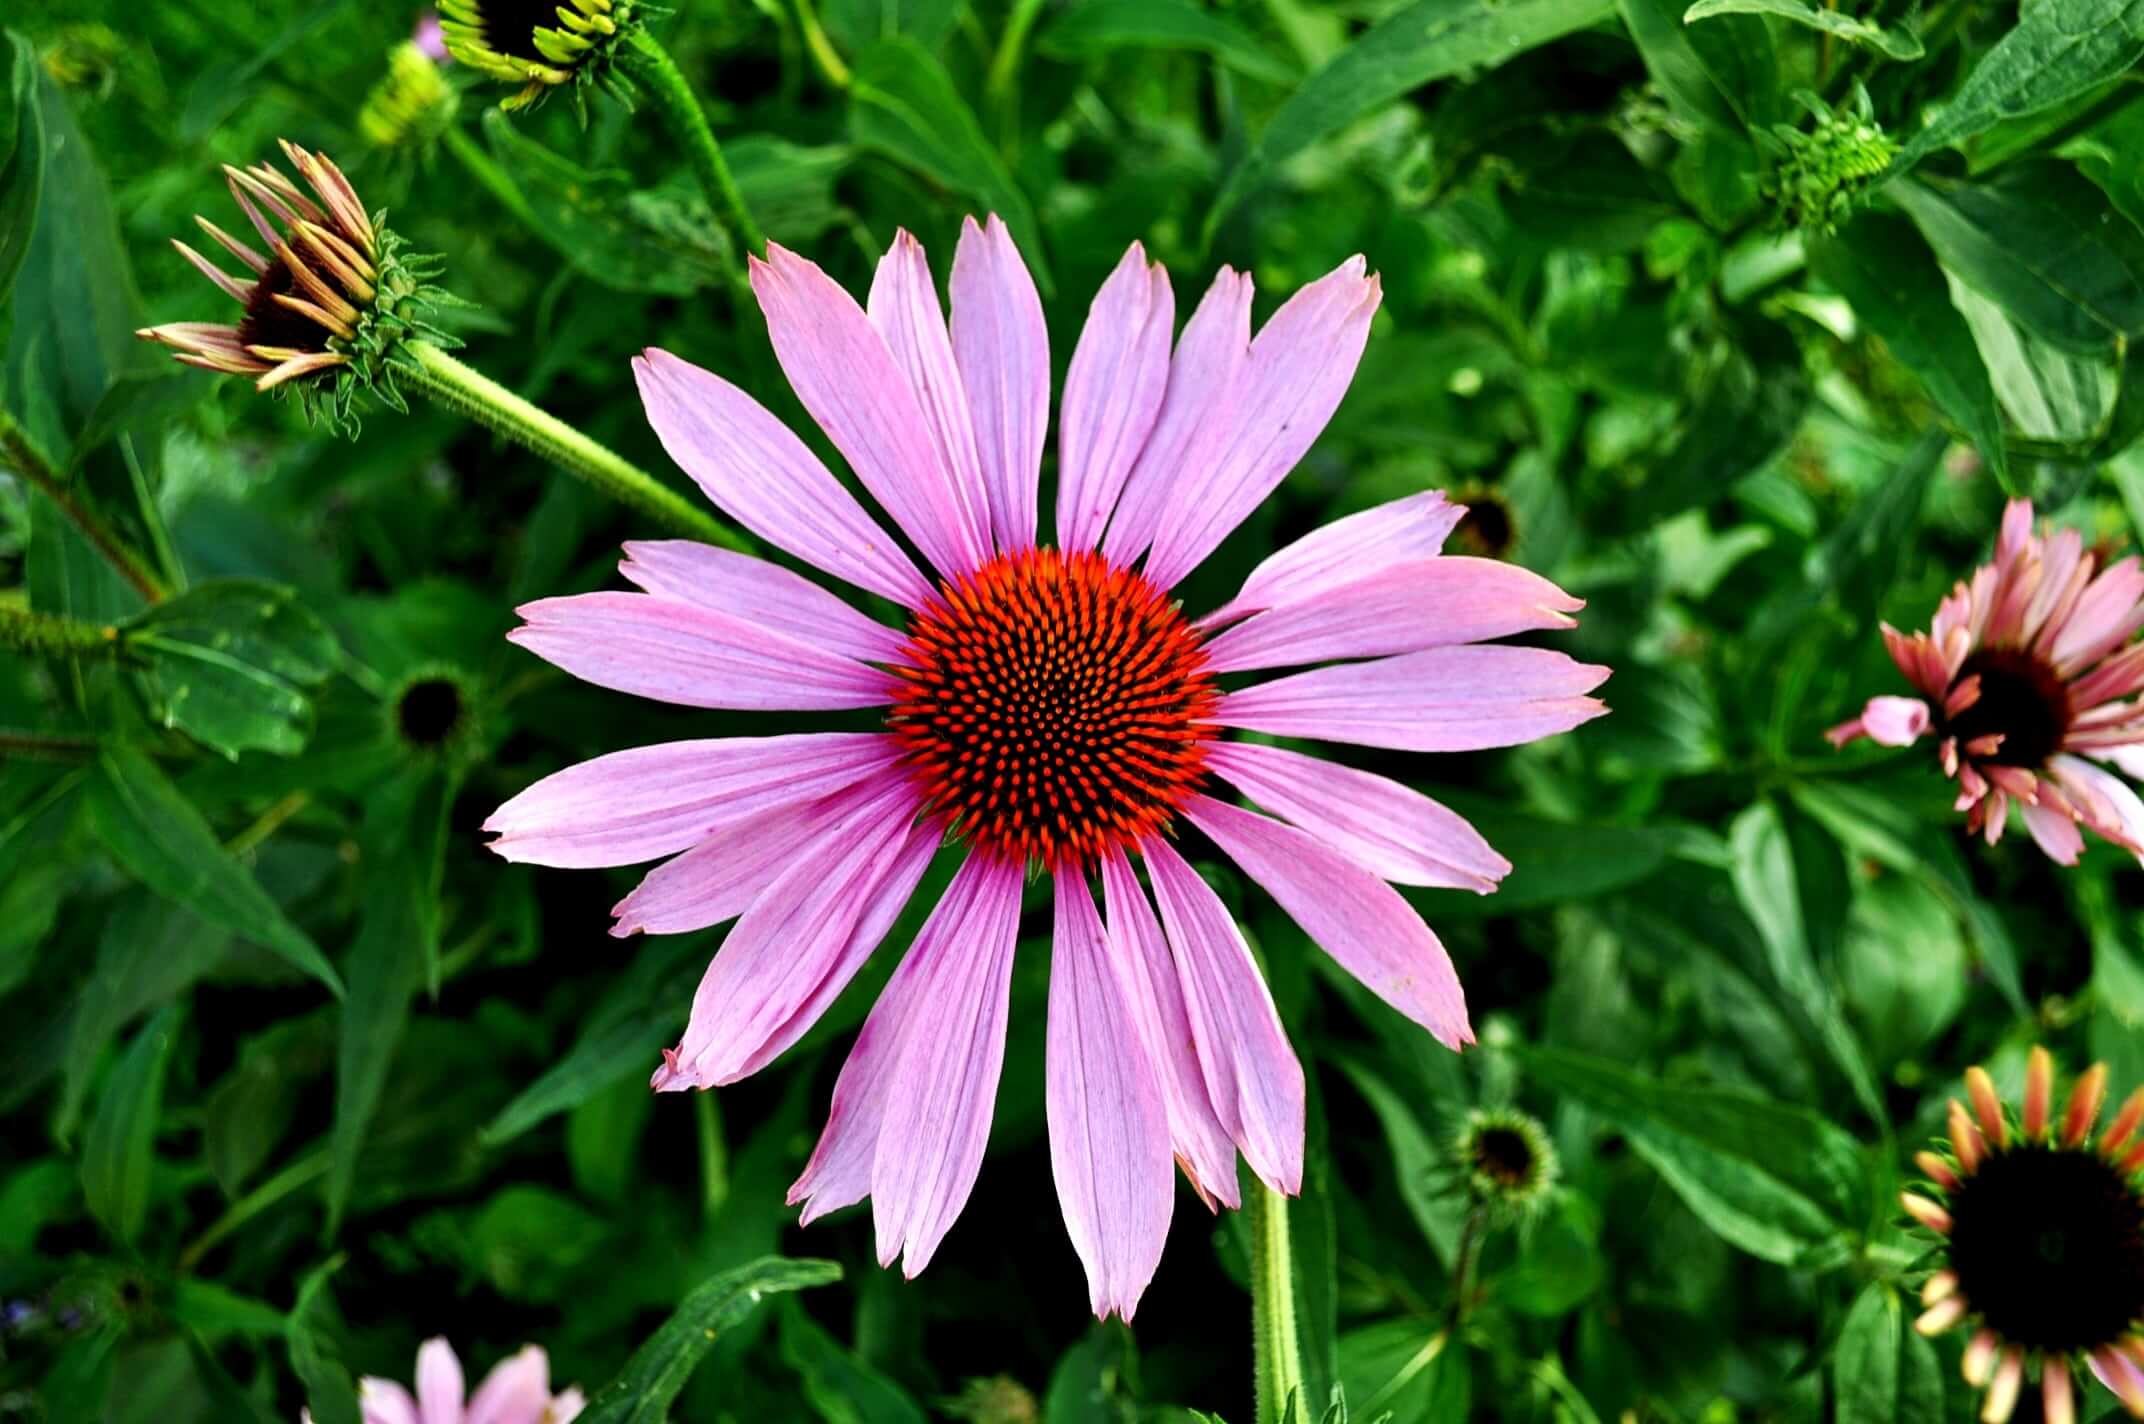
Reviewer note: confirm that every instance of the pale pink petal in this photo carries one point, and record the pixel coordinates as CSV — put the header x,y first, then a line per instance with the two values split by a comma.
x,y
1402,531
2109,804
1393,831
1437,700
650,802
1349,913
2129,758
1197,412
944,1080
1201,1144
1002,348
903,306
1113,391
1109,1134
693,656
1895,721
1398,609
439,1383
758,472
1299,367
567,1407
2106,616
719,878
759,592
517,1391
2054,832
842,373
385,1401
779,955
1252,1077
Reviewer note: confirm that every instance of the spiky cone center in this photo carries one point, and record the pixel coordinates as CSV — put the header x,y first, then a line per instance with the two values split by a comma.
x,y
1054,707
2044,1237
538,44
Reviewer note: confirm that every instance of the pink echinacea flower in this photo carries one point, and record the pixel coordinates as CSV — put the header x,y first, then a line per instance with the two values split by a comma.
x,y
517,1391
1046,706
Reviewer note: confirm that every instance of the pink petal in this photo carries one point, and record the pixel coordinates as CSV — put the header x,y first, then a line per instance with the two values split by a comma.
x,y
1109,1135
567,1407
1298,369
1348,912
1390,830
845,377
1002,348
1201,1144
2054,832
2105,617
778,957
650,802
692,656
903,307
517,1391
839,1172
2109,805
1895,721
1438,700
1398,609
383,1401
759,592
719,878
1252,1077
1197,412
944,1079
1402,531
439,1383
757,472
1113,391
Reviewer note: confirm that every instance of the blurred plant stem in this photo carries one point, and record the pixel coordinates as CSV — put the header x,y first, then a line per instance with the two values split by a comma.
x,y
659,75
714,1155
50,635
22,455
1276,1337
471,393
1005,64
1463,1267
822,48
300,1173
489,176
41,746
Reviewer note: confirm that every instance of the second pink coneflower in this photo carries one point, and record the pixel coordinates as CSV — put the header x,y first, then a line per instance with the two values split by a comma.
x,y
1044,707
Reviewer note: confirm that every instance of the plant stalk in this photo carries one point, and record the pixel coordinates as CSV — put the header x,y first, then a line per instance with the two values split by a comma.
x,y
822,48
1463,1267
469,392
665,83
1276,1335
51,635
26,459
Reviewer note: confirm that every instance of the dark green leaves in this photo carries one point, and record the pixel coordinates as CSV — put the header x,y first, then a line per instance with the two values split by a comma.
x,y
642,1392
22,158
1097,27
230,664
150,828
118,1151
1882,1370
1898,43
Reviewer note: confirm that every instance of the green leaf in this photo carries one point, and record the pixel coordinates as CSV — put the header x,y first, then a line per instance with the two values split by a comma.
x,y
1882,1371
2042,242
856,24
2059,49
22,158
1422,42
216,1310
146,825
1888,274
1717,76
2049,394
902,104
1901,43
1407,1366
314,1358
1780,1183
1098,27
840,1388
228,663
146,955
642,1392
118,1152
1858,563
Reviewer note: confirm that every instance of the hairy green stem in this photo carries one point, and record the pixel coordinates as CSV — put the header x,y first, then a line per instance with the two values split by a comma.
x,y
665,83
469,392
1276,1337
23,456
51,635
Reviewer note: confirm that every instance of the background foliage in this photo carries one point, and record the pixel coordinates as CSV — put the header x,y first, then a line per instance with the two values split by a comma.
x,y
294,1074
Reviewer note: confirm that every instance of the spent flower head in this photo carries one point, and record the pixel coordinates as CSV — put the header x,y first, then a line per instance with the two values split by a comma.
x,y
1819,175
326,310
541,45
1509,1164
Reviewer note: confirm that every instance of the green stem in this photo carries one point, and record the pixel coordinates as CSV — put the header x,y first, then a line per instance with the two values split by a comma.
x,y
1463,1267
50,635
469,392
304,1171
1005,64
38,746
822,49
714,1155
22,454
490,176
665,82
1277,1348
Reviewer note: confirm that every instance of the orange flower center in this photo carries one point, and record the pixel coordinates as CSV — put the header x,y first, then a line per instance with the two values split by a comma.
x,y
1054,706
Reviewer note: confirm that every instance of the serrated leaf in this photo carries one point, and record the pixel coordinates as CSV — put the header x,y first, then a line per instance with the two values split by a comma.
x,y
118,1150
230,664
652,1378
1897,44
153,831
